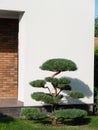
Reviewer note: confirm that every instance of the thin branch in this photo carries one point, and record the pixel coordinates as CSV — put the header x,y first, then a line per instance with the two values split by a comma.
x,y
55,89
55,74
59,92
55,94
48,90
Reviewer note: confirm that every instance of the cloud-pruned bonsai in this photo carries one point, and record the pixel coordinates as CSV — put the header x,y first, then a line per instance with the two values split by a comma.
x,y
54,97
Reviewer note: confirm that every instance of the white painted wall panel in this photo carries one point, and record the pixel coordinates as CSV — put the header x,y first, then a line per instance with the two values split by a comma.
x,y
53,29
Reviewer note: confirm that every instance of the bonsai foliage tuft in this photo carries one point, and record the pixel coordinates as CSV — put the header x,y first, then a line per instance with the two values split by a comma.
x,y
47,98
54,96
75,94
59,65
70,113
38,83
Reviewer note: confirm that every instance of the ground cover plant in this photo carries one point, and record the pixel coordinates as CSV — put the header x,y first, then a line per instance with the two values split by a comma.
x,y
54,96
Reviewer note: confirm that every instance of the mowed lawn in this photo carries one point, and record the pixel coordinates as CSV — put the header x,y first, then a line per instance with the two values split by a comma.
x,y
90,123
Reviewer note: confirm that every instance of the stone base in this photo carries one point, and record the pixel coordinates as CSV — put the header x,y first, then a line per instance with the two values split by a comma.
x,y
10,111
10,107
15,111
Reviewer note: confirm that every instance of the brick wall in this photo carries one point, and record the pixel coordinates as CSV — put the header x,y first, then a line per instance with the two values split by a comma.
x,y
96,41
8,57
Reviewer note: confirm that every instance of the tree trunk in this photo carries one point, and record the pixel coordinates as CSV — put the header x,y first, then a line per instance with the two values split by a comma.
x,y
55,74
54,121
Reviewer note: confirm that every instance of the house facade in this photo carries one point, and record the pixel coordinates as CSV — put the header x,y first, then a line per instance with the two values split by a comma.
x,y
34,31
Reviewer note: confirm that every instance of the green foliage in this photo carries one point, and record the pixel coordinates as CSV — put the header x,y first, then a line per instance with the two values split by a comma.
x,y
96,109
38,83
64,87
96,100
75,94
33,113
70,113
59,64
45,97
96,51
63,83
96,79
96,94
58,84
96,67
64,80
40,96
96,27
53,81
57,99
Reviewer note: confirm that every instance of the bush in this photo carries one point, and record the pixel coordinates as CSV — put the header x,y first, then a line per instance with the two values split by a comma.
x,y
32,113
70,113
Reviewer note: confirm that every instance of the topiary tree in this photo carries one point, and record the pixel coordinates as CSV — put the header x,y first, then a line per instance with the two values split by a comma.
x,y
59,84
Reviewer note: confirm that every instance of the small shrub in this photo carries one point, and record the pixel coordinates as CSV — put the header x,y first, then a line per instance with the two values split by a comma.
x,y
70,113
32,113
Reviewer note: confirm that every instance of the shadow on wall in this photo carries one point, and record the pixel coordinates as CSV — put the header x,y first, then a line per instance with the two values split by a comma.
x,y
80,86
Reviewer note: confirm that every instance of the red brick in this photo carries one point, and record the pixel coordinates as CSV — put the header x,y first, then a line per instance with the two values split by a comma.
x,y
8,57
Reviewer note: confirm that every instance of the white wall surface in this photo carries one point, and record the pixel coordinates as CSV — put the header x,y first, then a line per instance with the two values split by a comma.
x,y
54,29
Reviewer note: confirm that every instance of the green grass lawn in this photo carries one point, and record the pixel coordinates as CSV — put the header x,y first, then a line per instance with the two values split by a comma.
x,y
90,123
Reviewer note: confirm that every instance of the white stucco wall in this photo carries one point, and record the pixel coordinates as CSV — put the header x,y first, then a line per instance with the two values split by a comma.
x,y
54,29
